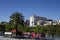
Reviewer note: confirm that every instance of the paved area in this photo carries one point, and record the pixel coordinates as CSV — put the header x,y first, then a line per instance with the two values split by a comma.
x,y
3,38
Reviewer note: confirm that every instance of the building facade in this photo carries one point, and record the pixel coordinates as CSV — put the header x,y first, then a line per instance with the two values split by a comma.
x,y
36,20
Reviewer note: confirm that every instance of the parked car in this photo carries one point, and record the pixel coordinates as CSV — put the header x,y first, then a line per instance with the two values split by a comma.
x,y
26,34
8,34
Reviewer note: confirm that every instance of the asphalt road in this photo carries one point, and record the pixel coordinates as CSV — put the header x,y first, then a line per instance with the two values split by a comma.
x,y
4,38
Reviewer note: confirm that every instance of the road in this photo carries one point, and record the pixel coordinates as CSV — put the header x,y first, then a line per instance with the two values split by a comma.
x,y
4,38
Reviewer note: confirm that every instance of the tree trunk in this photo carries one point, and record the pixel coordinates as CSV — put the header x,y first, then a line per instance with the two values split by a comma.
x,y
52,36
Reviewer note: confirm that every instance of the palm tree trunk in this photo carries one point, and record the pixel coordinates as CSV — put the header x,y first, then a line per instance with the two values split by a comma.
x,y
52,36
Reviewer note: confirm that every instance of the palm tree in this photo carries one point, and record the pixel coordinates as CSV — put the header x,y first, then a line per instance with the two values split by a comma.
x,y
17,19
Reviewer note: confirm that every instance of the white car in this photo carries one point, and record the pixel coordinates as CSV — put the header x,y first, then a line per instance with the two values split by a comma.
x,y
8,34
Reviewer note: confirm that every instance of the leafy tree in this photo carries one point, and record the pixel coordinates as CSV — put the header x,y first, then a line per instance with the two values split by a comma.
x,y
17,21
51,30
27,29
58,31
2,28
43,30
37,29
8,27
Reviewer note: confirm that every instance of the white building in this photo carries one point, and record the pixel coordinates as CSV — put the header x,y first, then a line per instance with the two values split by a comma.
x,y
58,22
48,23
55,22
34,19
40,22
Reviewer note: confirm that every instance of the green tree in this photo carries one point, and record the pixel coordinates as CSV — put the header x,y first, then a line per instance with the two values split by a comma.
x,y
2,28
51,30
8,27
17,21
27,29
37,29
58,32
43,30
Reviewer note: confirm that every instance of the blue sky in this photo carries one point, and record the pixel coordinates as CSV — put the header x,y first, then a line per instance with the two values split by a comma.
x,y
46,8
